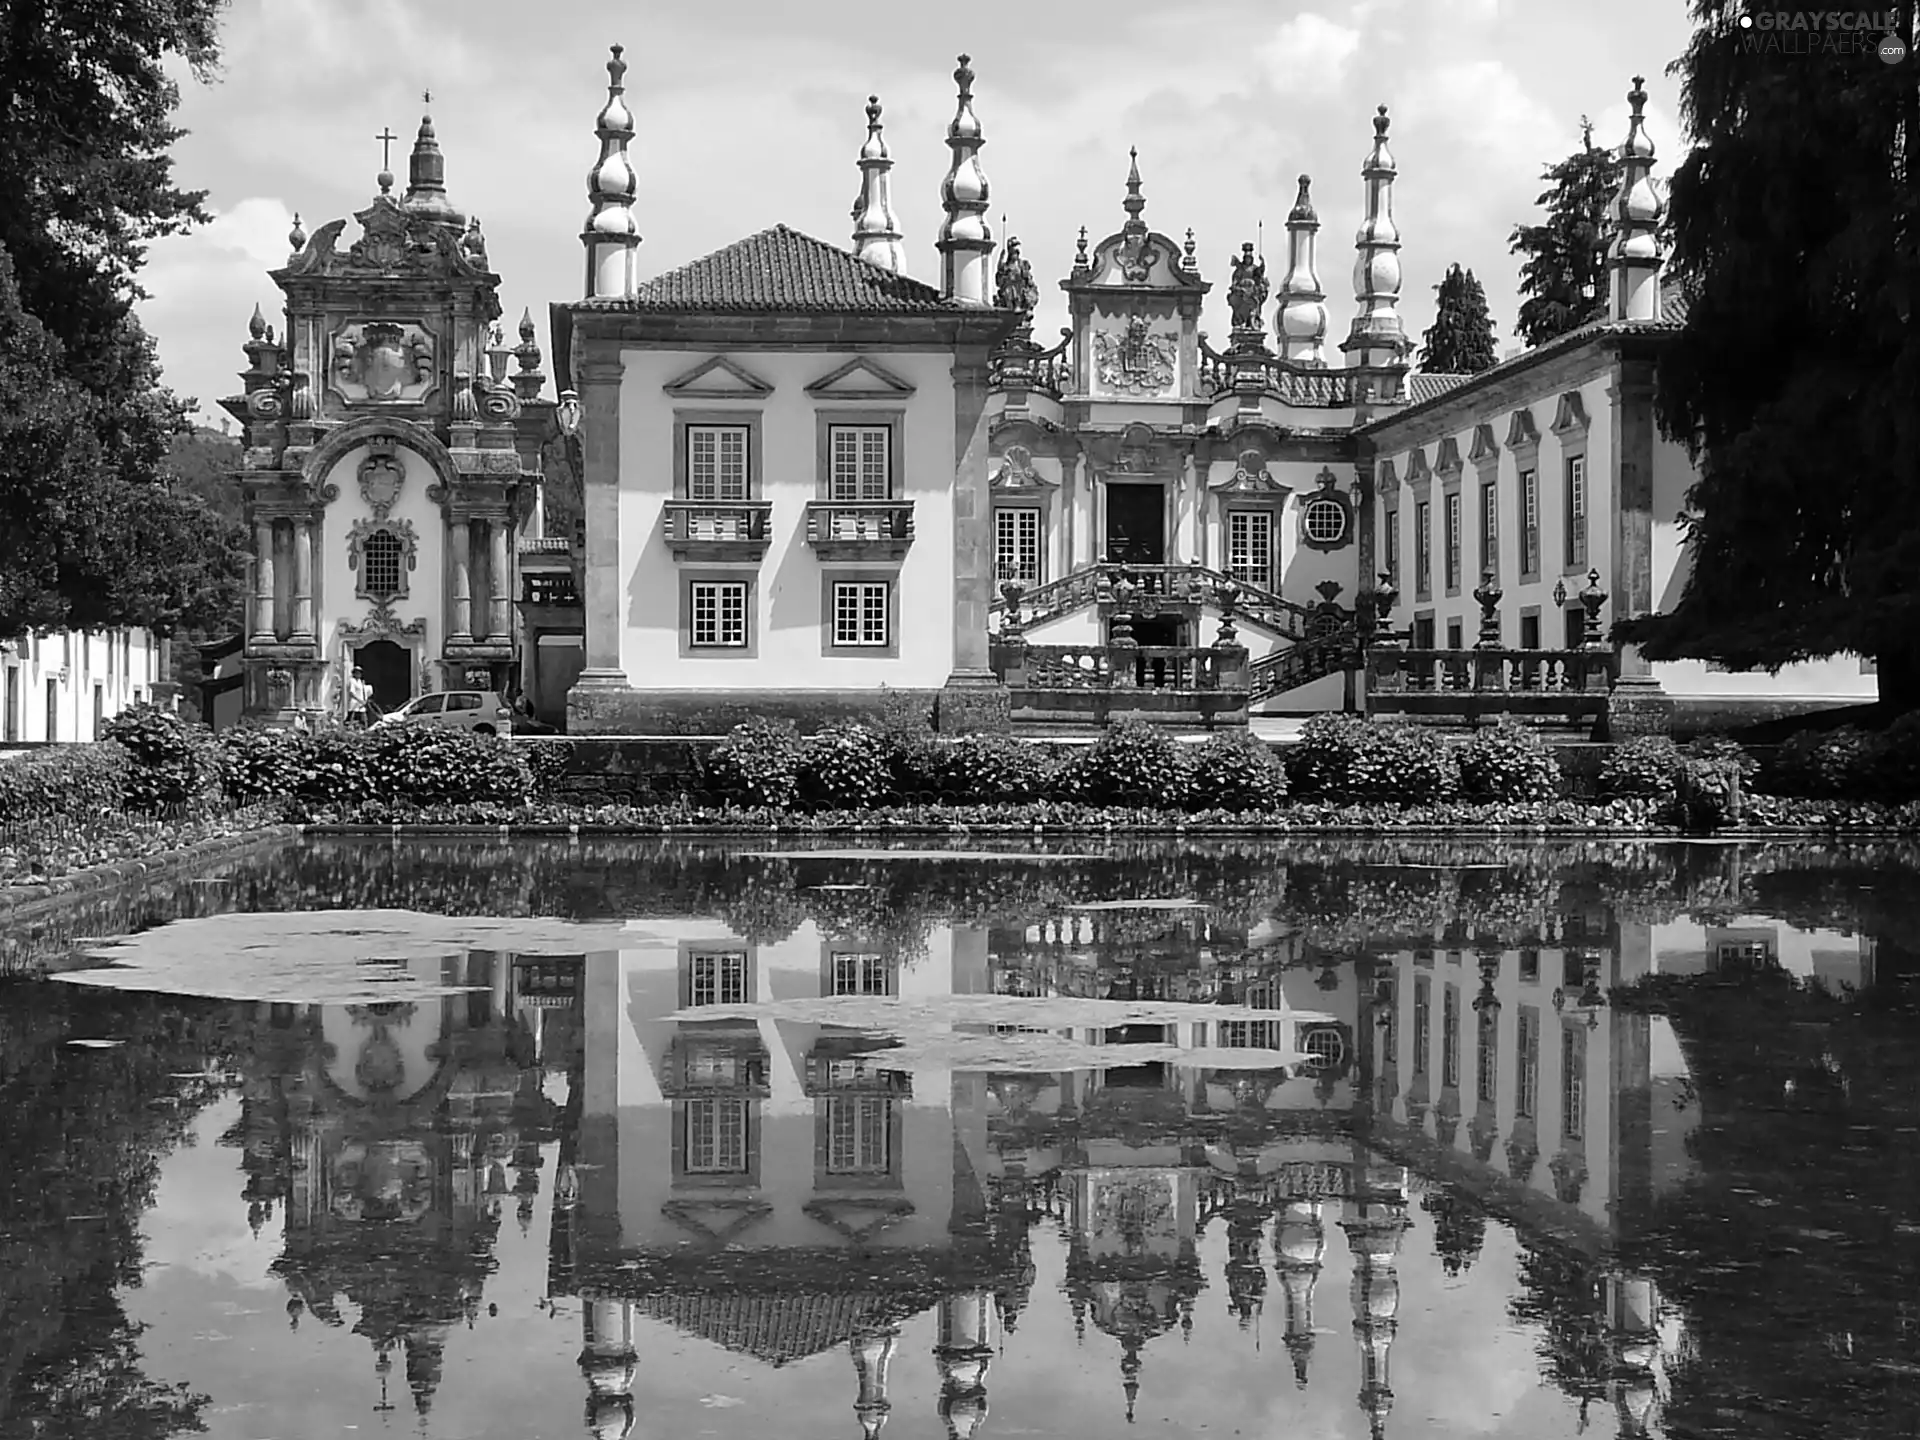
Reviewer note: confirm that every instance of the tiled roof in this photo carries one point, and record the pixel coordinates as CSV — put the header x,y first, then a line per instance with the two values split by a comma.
x,y
781,271
780,1329
1421,386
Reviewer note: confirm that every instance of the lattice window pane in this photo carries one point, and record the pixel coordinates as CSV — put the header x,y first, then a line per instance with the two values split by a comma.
x,y
1527,1067
1450,1037
1576,511
1490,528
716,1139
860,614
1393,547
1453,541
717,978
382,557
1529,523
860,462
1016,545
718,614
1250,547
1573,1082
717,462
858,1135
1325,521
1423,549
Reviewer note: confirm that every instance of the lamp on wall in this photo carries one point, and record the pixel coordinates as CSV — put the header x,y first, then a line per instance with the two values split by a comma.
x,y
567,413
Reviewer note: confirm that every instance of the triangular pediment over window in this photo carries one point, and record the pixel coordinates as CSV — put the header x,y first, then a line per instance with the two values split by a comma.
x,y
1484,446
1571,414
860,379
719,379
1522,431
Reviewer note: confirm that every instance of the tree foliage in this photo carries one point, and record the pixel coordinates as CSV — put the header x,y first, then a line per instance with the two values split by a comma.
x,y
1563,281
1796,379
90,535
1460,340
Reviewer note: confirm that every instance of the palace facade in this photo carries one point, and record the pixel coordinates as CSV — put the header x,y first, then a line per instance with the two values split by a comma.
x,y
66,685
1131,521
392,459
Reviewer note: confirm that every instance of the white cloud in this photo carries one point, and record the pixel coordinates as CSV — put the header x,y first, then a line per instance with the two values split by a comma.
x,y
1309,52
204,287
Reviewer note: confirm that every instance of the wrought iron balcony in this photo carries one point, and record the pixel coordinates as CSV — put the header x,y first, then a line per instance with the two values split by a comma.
x,y
718,529
860,529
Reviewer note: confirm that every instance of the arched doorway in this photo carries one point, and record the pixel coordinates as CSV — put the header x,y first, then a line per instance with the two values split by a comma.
x,y
388,668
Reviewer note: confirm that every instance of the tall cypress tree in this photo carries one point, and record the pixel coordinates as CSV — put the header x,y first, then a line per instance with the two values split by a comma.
x,y
1563,281
1796,379
1460,340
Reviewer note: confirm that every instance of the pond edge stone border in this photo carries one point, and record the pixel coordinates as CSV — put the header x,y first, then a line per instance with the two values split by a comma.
x,y
22,902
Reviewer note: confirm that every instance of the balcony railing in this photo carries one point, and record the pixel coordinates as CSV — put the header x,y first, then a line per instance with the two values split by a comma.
x,y
718,529
1491,680
1094,683
1161,588
860,529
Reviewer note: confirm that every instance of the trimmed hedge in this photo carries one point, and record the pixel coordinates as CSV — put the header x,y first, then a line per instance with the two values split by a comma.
x,y
66,782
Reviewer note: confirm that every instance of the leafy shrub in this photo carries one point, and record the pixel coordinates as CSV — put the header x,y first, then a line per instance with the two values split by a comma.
x,y
1839,765
402,766
1344,757
1647,767
1508,761
64,782
1131,764
260,765
845,767
547,762
172,763
757,764
1703,794
1235,770
1899,767
993,770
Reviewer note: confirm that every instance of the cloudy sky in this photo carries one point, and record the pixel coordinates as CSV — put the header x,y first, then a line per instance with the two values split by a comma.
x,y
750,113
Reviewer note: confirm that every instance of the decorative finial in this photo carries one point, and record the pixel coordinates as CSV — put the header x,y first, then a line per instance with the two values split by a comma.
x,y
612,236
1380,123
1638,208
297,236
876,234
257,326
1192,260
1080,260
527,331
1378,335
1135,201
1303,204
966,239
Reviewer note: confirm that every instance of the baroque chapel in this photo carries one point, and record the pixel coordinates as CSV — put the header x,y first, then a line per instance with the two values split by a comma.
x,y
392,459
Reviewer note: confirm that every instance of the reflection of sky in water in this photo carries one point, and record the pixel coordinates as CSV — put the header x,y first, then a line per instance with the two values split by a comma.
x,y
667,1181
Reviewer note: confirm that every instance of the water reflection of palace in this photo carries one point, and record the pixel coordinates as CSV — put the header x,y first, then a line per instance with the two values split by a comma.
x,y
763,1185
394,1139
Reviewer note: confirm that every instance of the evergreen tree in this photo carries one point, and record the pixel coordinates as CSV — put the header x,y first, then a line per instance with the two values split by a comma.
x,y
1460,340
90,535
1563,281
1796,379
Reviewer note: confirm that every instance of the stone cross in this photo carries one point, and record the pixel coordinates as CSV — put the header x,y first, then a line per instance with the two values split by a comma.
x,y
386,137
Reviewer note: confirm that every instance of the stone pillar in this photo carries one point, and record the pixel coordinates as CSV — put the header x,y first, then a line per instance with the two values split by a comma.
x,y
1086,546
263,582
500,579
303,578
973,699
1638,705
1186,513
460,552
600,486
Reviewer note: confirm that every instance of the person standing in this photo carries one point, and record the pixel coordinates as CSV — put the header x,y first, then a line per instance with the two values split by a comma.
x,y
359,699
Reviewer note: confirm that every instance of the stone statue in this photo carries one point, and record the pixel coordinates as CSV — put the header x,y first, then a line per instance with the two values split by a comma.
x,y
1013,282
1248,292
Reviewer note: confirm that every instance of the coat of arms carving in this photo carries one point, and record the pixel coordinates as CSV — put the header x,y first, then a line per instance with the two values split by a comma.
x,y
1135,360
381,476
381,362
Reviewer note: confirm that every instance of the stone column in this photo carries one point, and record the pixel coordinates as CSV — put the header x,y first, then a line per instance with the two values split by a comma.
x,y
303,578
500,578
1186,512
460,549
1638,704
973,698
263,582
599,380
1086,547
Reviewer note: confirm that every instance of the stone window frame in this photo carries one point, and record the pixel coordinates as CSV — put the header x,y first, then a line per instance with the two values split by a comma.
x,y
1570,428
1453,535
1423,545
686,419
1426,616
357,537
1529,612
1484,455
834,577
744,577
1456,633
1231,506
1023,500
1523,441
892,418
834,951
1328,492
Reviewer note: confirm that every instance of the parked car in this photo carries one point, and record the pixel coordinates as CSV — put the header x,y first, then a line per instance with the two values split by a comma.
x,y
479,712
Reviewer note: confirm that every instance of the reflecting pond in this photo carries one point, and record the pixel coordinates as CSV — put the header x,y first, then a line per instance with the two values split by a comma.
x,y
1296,1138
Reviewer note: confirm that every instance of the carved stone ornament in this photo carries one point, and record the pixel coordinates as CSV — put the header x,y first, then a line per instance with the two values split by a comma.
x,y
279,687
379,362
1018,474
1135,259
1249,290
1134,360
381,623
1013,282
1252,477
381,476
383,241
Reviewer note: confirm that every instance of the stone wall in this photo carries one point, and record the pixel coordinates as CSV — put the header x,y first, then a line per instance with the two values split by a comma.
x,y
631,712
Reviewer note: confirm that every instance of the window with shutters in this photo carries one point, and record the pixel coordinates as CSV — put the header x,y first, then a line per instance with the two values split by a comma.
x,y
716,1137
1529,525
1016,545
717,614
717,978
1453,541
717,462
859,1135
1250,547
1576,512
861,617
1423,550
859,462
